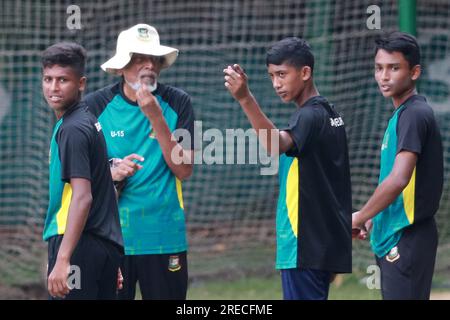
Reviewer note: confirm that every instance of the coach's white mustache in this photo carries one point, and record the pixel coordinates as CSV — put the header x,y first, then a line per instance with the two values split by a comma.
x,y
136,85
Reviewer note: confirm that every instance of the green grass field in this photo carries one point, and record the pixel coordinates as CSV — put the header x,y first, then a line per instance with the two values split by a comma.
x,y
249,274
346,287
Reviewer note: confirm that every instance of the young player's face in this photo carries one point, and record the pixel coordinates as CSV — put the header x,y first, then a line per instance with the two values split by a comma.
x,y
393,73
61,86
142,69
288,81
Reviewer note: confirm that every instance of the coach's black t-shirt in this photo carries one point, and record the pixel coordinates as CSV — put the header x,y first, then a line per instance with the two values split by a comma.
x,y
315,204
78,150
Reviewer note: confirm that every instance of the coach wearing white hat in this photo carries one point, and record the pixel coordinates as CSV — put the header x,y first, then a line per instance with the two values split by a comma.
x,y
138,116
143,39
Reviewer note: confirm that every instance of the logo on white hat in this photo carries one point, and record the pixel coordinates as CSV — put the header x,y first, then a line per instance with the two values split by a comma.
x,y
143,34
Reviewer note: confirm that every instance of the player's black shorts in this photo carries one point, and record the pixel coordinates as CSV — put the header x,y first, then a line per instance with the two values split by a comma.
x,y
160,276
94,264
407,271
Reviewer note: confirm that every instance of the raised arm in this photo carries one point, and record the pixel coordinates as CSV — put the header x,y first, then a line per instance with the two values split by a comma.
x,y
236,81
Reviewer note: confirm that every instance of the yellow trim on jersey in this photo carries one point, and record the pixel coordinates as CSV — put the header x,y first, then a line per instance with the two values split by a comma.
x,y
408,197
179,192
61,215
292,195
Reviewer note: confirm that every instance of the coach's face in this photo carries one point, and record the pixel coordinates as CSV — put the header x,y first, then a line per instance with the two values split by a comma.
x,y
142,69
288,81
393,73
62,86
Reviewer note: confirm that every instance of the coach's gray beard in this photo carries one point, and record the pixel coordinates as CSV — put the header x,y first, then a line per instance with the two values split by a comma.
x,y
150,87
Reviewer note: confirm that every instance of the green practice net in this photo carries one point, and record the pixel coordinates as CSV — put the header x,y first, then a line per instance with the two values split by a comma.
x,y
230,208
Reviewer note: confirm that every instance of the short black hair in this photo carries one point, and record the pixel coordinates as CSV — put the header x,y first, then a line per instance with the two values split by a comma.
x,y
400,42
65,54
293,51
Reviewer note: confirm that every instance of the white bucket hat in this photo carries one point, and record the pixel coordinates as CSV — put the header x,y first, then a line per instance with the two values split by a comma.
x,y
143,39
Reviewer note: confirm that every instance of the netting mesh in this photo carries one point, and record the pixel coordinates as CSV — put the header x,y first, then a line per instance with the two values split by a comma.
x,y
230,208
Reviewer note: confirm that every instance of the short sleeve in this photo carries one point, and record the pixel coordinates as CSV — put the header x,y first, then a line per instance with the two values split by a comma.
x,y
302,129
186,122
411,130
98,100
73,148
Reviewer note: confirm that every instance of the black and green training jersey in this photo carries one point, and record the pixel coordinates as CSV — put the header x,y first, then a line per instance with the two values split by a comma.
x,y
412,128
78,150
151,204
315,203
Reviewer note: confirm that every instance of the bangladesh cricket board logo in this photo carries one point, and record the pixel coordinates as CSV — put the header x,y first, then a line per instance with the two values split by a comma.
x,y
174,263
393,255
143,34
